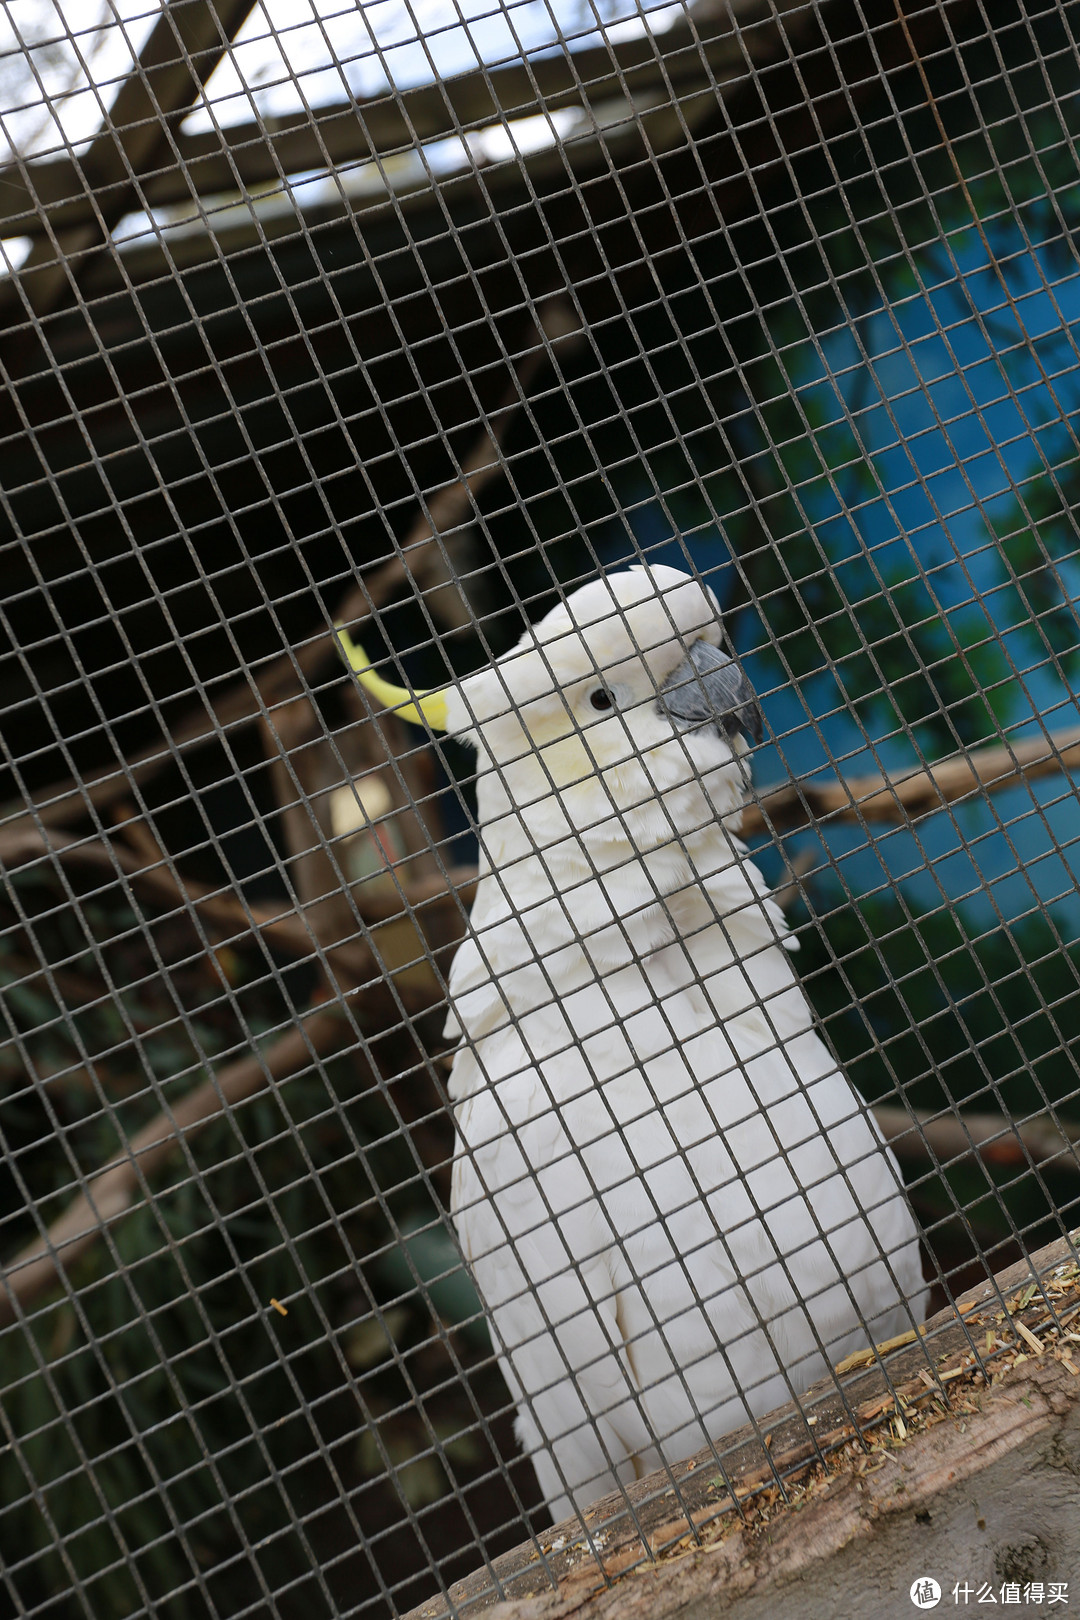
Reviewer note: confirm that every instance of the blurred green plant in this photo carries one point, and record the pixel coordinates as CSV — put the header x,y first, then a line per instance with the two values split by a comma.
x,y
160,1413
933,1006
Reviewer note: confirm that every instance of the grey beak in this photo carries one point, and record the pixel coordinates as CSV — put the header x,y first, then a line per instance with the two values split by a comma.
x,y
709,688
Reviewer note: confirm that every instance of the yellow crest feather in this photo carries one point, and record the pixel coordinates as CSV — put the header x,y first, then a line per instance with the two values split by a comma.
x,y
426,708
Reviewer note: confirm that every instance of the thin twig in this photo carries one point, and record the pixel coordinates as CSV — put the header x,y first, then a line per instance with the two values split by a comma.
x,y
279,679
110,1194
799,868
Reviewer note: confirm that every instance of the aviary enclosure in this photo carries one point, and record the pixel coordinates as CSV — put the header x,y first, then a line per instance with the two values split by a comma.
x,y
413,319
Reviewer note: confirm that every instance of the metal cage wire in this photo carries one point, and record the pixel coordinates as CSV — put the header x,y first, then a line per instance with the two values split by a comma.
x,y
414,321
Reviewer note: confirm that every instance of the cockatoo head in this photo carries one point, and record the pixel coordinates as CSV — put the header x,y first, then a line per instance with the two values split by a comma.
x,y
619,701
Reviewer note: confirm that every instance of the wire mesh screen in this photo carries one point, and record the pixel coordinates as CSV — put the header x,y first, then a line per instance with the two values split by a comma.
x,y
336,332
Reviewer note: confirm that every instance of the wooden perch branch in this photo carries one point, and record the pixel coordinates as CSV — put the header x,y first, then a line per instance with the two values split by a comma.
x,y
994,1138
112,1192
418,560
915,793
867,798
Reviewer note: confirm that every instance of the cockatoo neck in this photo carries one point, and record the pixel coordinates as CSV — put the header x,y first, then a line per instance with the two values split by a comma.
x,y
641,899
602,823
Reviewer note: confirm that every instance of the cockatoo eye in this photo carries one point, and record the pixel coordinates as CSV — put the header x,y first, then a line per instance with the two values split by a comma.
x,y
601,699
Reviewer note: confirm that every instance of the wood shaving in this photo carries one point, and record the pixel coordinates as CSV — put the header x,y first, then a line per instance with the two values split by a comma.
x,y
889,1422
1029,1337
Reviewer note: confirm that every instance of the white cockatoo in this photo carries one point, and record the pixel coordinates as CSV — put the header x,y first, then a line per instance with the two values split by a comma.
x,y
675,1208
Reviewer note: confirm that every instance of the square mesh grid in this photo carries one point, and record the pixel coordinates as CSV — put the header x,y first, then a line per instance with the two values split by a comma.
x,y
417,319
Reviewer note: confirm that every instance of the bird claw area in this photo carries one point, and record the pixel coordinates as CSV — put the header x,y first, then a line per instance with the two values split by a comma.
x,y
1003,1359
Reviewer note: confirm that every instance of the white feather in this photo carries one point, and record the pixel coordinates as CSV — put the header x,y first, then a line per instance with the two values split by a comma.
x,y
674,1207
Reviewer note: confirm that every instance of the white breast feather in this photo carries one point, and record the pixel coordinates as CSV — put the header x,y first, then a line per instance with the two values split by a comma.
x,y
675,1208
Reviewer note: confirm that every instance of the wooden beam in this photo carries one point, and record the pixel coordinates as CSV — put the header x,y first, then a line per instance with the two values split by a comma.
x,y
185,46
183,49
692,59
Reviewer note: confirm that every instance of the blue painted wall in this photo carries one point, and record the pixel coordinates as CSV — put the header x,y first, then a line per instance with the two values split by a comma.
x,y
953,411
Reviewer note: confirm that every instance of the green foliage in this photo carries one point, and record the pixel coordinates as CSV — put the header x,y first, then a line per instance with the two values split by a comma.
x,y
161,1389
1040,553
951,1015
927,1002
826,585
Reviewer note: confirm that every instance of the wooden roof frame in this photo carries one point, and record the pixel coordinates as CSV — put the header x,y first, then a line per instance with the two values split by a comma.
x,y
185,45
134,149
668,84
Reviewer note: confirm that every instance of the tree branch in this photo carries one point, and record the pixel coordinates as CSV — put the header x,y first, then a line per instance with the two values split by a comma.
x,y
915,793
111,1192
418,560
280,928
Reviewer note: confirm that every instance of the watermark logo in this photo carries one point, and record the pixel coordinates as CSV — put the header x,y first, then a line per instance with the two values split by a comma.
x,y
925,1592
1036,1593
